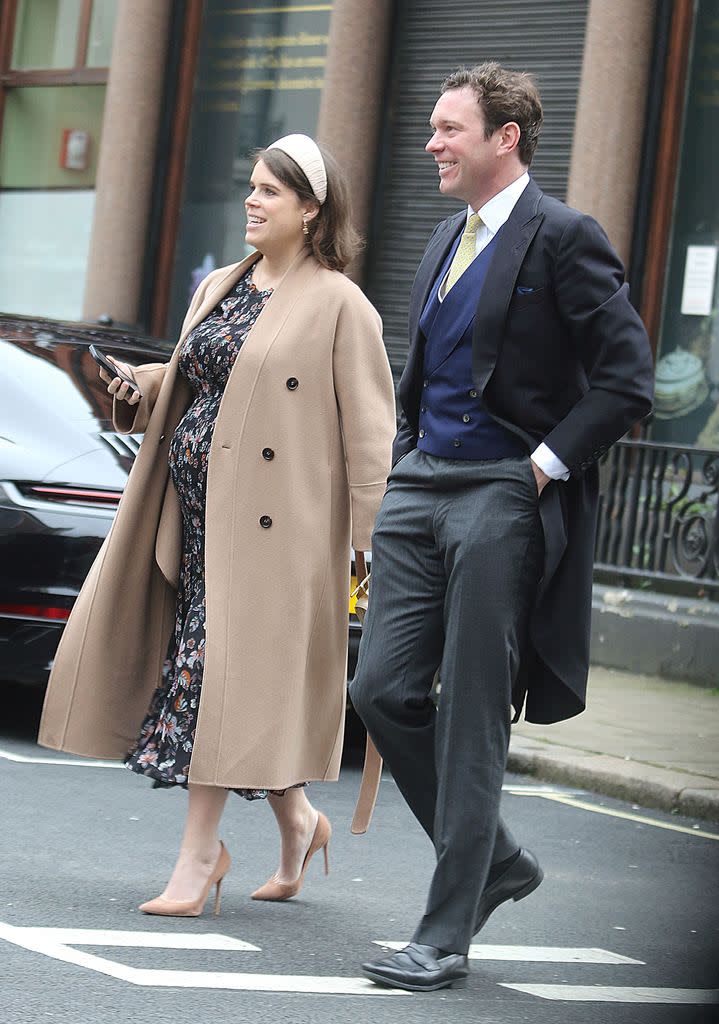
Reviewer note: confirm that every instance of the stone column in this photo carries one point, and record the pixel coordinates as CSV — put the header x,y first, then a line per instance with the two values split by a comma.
x,y
126,160
609,127
352,106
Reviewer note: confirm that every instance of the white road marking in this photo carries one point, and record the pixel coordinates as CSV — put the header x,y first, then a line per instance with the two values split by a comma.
x,y
8,755
301,983
538,790
565,798
536,954
37,940
615,994
140,940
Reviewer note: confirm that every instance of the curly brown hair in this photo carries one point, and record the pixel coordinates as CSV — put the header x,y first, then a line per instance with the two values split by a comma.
x,y
503,96
332,237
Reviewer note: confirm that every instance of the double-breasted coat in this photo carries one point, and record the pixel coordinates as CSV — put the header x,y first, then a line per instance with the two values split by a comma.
x,y
312,383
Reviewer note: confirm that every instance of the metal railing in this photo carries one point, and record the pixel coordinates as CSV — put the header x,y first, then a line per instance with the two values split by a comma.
x,y
659,516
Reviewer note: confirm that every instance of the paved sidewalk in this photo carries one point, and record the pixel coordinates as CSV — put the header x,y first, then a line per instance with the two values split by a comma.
x,y
642,739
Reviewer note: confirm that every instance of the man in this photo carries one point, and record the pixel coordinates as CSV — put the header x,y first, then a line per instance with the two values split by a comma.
x,y
526,362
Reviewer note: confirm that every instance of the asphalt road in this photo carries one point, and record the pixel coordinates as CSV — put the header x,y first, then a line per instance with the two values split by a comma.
x,y
628,910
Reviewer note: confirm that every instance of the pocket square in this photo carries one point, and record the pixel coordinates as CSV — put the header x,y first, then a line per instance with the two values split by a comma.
x,y
523,289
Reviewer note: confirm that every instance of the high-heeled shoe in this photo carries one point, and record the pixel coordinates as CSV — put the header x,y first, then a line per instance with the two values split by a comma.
x,y
193,908
275,890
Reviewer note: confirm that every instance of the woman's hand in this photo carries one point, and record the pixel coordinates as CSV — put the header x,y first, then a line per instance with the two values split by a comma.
x,y
119,388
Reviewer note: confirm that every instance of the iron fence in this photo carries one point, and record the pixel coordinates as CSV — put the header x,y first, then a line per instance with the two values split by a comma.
x,y
659,516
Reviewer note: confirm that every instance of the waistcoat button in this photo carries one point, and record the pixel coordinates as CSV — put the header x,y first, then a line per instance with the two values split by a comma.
x,y
465,418
421,433
265,522
268,454
456,442
473,393
292,383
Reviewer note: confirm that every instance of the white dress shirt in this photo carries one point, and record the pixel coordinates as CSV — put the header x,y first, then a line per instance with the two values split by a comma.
x,y
493,215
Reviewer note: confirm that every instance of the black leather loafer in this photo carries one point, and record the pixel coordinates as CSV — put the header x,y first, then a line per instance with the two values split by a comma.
x,y
520,878
419,968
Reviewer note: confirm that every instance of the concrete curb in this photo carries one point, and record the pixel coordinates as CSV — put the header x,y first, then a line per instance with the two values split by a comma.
x,y
652,634
696,796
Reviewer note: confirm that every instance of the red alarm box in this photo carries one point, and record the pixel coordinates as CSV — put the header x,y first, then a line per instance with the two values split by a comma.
x,y
75,149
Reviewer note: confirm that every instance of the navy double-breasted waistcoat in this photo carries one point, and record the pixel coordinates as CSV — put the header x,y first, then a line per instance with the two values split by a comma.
x,y
453,422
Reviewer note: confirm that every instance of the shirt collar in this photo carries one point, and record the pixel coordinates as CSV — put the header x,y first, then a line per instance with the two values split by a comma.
x,y
496,212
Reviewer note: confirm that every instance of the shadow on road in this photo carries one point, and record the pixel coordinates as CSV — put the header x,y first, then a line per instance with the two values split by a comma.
x,y
22,707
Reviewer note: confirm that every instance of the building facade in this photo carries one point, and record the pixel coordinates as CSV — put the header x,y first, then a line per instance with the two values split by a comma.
x,y
127,128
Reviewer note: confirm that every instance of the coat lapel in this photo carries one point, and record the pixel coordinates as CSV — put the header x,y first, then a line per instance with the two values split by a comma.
x,y
275,310
280,304
434,256
512,246
218,291
171,403
175,397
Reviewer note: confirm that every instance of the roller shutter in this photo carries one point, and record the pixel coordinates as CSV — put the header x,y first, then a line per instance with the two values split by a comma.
x,y
430,39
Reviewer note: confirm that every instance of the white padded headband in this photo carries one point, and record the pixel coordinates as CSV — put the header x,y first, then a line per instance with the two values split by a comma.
x,y
306,153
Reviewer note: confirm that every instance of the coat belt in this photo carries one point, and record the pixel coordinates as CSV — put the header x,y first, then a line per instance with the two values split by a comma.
x,y
369,787
372,770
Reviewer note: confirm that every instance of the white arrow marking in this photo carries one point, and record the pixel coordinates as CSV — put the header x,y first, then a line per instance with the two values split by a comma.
x,y
615,994
36,940
536,954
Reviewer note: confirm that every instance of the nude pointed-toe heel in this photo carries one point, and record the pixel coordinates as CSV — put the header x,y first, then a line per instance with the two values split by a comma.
x,y
163,907
275,891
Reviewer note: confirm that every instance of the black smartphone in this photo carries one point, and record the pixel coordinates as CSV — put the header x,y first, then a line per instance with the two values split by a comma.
x,y
102,360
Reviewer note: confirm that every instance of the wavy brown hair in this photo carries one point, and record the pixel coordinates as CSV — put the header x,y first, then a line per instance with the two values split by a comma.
x,y
503,96
332,237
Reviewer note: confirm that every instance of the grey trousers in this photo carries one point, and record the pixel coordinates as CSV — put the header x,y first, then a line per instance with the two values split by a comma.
x,y
456,559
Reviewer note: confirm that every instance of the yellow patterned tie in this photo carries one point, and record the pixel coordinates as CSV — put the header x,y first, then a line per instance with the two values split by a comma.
x,y
466,251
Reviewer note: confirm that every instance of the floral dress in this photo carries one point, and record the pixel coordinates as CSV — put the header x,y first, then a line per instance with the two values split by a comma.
x,y
164,748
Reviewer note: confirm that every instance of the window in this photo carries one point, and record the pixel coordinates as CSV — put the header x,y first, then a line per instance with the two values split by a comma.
x,y
54,57
260,76
687,375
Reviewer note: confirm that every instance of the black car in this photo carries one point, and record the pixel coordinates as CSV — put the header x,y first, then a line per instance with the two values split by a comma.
x,y
62,472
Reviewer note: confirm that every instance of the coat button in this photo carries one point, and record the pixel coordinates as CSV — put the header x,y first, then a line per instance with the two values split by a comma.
x,y
292,383
473,393
423,409
425,384
456,442
465,418
265,522
421,433
268,454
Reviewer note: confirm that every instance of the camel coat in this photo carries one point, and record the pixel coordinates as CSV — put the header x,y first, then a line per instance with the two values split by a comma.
x,y
311,382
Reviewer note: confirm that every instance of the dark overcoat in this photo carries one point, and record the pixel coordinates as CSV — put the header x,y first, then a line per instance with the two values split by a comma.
x,y
561,356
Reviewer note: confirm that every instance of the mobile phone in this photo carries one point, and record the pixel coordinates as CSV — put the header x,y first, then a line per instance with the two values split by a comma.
x,y
114,371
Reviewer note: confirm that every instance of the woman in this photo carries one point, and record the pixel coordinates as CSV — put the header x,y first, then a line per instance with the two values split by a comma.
x,y
266,448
